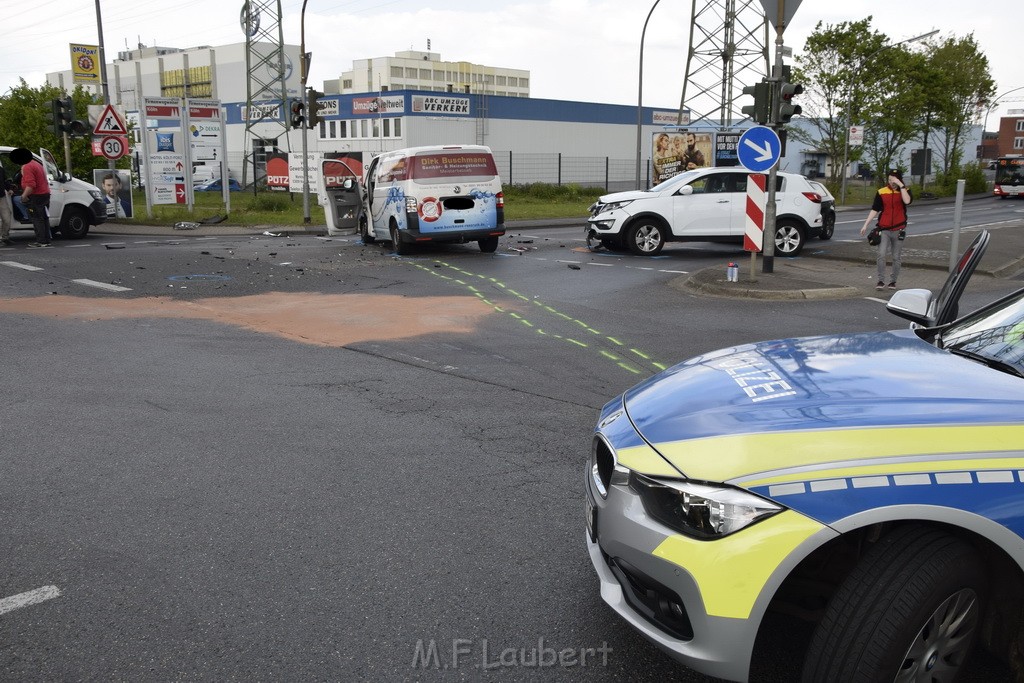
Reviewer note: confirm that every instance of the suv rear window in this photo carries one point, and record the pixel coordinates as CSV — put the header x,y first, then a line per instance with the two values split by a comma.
x,y
453,164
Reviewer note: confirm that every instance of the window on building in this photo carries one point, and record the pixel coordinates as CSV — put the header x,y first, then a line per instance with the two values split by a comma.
x,y
396,72
411,73
387,127
501,80
397,86
364,128
398,128
333,125
524,82
439,76
1020,125
424,74
323,129
1018,143
376,128
347,84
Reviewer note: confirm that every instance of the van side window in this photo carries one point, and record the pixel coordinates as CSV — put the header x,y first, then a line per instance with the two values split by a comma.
x,y
392,170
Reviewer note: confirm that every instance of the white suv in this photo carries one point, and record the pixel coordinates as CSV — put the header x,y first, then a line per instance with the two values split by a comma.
x,y
705,205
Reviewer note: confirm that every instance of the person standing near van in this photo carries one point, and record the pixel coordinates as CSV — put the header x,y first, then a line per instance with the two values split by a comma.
x,y
890,206
35,193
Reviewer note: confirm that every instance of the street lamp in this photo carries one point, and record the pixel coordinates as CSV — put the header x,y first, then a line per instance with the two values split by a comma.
x,y
849,103
640,95
995,103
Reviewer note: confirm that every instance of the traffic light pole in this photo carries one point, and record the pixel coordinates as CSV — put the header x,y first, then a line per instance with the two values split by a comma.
x,y
304,61
775,83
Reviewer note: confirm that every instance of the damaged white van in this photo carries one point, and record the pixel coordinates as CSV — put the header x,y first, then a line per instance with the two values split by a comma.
x,y
448,193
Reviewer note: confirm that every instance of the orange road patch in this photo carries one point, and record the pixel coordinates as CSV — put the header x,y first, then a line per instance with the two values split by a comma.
x,y
319,319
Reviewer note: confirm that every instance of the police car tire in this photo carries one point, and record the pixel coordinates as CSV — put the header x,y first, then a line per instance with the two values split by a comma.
x,y
646,236
876,616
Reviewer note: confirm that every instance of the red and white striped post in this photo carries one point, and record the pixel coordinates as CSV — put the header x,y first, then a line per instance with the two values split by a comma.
x,y
753,231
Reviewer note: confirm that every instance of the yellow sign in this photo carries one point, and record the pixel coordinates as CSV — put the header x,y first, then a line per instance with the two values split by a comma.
x,y
85,63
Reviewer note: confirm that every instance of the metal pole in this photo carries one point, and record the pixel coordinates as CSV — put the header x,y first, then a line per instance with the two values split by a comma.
x,y
768,238
304,61
111,163
640,96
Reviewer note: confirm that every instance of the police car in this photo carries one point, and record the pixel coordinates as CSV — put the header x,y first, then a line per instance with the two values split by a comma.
x,y
873,483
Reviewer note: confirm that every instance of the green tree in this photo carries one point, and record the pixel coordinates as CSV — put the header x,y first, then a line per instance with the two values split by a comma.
x,y
837,87
23,112
960,80
892,117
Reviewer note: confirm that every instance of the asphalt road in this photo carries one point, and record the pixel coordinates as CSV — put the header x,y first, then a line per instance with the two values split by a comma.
x,y
299,458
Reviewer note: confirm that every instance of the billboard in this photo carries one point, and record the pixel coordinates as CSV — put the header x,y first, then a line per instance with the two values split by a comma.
x,y
673,153
117,191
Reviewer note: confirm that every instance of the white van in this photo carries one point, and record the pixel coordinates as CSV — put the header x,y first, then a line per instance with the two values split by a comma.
x,y
448,193
74,204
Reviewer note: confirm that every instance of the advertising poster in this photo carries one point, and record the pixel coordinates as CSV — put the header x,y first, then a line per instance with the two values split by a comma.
x,y
725,149
85,63
674,153
117,191
284,170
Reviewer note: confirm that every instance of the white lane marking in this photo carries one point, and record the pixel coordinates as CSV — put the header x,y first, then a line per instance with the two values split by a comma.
x,y
678,272
102,285
603,265
15,264
29,598
76,246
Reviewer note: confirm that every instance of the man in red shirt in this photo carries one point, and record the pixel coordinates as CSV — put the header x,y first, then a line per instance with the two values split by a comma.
x,y
35,194
890,206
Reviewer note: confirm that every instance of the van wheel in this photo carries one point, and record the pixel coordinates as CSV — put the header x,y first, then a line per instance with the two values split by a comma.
x,y
645,237
74,224
789,239
909,611
488,245
396,241
364,232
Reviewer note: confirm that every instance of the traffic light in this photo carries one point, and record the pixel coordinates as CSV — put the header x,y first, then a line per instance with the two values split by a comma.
x,y
314,107
61,118
760,110
297,116
787,109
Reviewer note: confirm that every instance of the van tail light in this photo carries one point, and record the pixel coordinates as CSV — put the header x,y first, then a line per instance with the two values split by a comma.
x,y
813,196
501,200
410,205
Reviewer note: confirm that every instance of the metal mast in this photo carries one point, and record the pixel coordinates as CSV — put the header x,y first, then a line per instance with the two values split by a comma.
x,y
728,50
265,68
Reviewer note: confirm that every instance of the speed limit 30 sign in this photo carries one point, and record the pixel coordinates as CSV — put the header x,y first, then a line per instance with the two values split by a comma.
x,y
114,146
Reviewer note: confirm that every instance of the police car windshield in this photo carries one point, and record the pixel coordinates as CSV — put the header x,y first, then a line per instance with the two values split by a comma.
x,y
994,335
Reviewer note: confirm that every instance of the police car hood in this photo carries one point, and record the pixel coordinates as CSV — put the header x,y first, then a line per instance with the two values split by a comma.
x,y
806,402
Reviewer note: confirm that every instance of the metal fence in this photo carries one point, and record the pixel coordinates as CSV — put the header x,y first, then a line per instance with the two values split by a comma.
x,y
555,168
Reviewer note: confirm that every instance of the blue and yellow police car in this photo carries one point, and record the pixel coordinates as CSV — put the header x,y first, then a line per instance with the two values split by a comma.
x,y
879,477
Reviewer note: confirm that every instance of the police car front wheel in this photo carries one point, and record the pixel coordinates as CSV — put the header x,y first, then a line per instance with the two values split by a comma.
x,y
909,611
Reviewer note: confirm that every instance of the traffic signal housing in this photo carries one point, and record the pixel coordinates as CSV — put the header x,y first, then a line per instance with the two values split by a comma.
x,y
313,120
297,113
61,118
787,109
760,110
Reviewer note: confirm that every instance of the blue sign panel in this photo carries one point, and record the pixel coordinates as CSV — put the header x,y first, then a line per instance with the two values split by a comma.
x,y
759,149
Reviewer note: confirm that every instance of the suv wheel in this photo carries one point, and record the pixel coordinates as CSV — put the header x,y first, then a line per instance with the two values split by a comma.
x,y
789,239
645,237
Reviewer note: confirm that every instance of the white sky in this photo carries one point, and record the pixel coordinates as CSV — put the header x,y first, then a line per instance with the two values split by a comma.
x,y
585,50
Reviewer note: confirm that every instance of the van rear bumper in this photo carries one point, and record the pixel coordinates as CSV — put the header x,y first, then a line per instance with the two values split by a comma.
x,y
458,236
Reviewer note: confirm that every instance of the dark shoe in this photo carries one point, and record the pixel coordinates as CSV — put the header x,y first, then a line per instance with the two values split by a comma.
x,y
6,242
38,245
879,285
892,285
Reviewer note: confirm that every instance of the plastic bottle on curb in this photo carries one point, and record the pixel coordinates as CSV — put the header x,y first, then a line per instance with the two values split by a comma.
x,y
732,273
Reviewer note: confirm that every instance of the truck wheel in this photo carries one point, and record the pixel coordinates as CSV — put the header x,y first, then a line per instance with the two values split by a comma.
x,y
74,224
488,245
789,239
364,232
645,237
396,241
909,611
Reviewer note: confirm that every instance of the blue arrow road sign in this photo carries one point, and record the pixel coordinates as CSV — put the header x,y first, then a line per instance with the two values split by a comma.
x,y
759,148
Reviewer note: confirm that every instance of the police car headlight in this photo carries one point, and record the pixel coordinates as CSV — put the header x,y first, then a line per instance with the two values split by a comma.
x,y
698,510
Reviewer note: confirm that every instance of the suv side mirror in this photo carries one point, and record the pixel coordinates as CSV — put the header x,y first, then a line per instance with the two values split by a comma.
x,y
685,190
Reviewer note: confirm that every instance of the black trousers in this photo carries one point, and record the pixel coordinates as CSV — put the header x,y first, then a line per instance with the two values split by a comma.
x,y
38,205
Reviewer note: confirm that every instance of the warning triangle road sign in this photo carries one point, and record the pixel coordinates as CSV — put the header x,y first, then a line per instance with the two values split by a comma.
x,y
110,123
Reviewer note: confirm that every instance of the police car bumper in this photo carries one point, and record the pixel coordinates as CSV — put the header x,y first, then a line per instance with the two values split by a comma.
x,y
701,601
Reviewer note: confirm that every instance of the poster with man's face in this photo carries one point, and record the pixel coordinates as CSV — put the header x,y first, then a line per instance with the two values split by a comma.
x,y
674,153
116,187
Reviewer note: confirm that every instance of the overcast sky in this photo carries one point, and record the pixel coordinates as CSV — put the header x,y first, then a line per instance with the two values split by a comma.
x,y
585,50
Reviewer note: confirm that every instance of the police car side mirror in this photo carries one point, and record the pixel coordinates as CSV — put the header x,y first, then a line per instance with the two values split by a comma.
x,y
911,304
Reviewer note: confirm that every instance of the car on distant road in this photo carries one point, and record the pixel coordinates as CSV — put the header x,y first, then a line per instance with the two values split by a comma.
x,y
215,186
828,210
706,205
870,484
